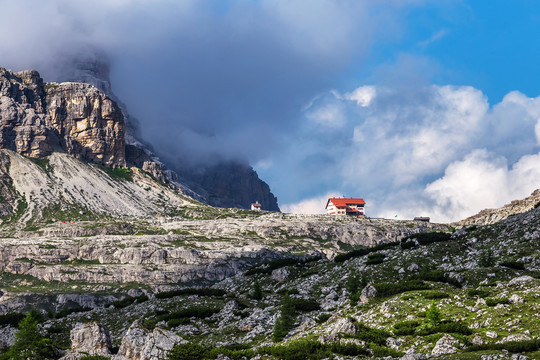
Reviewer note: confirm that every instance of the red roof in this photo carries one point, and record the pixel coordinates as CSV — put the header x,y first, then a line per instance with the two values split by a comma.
x,y
256,205
343,202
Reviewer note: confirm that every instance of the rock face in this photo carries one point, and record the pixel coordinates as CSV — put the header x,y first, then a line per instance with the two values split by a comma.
x,y
90,338
90,125
37,119
231,184
140,344
225,184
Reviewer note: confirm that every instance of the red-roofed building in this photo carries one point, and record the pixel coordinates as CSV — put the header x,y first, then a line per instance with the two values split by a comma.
x,y
345,206
256,206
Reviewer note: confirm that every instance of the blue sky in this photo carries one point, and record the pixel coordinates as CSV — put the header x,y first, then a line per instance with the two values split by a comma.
x,y
421,107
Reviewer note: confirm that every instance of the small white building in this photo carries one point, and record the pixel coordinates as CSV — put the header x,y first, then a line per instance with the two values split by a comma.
x,y
345,207
256,206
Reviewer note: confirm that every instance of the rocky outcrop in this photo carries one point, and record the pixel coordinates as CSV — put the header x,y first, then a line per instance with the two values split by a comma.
x,y
91,338
89,124
232,184
226,184
37,119
142,344
446,345
491,216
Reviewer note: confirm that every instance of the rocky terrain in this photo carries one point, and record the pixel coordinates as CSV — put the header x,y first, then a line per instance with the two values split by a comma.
x,y
104,255
197,286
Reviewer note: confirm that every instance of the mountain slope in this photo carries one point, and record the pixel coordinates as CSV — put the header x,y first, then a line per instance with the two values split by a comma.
x,y
225,184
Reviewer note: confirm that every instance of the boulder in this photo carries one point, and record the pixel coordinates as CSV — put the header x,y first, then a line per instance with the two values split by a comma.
x,y
280,274
344,326
520,280
141,344
446,345
516,299
91,338
478,340
514,337
367,293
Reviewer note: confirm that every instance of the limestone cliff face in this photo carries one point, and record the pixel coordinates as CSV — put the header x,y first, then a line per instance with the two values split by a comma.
x,y
90,125
37,119
227,184
234,184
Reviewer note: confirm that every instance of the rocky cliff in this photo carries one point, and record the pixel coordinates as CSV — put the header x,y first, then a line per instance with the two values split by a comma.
x,y
227,184
37,119
230,184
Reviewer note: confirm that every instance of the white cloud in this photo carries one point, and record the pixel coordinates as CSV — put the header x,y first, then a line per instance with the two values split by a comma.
x,y
314,205
363,95
438,151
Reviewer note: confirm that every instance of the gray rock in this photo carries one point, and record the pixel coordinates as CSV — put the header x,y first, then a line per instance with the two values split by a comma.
x,y
140,344
520,280
344,326
281,274
91,338
446,345
514,337
478,340
367,293
491,334
516,299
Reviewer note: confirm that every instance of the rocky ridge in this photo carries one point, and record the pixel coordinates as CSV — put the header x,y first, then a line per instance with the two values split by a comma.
x,y
37,119
492,216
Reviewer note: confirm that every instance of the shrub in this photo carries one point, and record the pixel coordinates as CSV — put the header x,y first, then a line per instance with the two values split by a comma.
x,y
95,357
180,317
388,289
191,291
68,311
363,251
433,314
188,351
435,294
436,276
478,292
298,350
285,322
407,244
495,302
268,267
305,305
371,335
374,259
512,346
322,318
405,328
517,265
445,327
256,293
486,258
12,319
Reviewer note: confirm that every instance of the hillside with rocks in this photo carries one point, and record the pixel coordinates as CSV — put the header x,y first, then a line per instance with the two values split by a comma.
x,y
276,286
105,255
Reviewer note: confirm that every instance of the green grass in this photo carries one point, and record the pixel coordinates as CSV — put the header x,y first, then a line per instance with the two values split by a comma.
x,y
122,174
